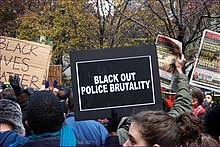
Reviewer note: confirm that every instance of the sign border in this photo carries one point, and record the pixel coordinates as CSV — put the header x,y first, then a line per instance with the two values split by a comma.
x,y
77,74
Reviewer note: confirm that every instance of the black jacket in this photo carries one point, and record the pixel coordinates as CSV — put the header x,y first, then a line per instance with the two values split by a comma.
x,y
53,141
212,121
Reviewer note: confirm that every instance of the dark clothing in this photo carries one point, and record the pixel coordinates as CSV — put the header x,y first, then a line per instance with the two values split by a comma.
x,y
63,103
9,137
53,141
112,141
49,141
212,121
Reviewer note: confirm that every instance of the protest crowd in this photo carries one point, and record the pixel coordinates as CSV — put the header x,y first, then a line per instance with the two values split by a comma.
x,y
45,117
110,73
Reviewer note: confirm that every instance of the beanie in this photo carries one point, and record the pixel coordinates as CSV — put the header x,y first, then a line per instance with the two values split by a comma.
x,y
44,112
67,91
10,113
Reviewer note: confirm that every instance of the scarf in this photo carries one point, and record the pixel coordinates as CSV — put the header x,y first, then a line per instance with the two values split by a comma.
x,y
199,110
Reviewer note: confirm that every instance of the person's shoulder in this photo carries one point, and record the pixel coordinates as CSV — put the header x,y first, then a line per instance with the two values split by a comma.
x,y
48,141
12,134
93,122
12,137
6,133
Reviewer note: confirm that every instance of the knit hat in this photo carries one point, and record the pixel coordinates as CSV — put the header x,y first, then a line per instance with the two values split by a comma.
x,y
44,112
10,113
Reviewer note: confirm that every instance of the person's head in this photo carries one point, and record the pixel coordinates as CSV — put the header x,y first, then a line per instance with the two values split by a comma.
x,y
44,113
209,98
70,105
151,128
8,92
197,97
6,85
10,114
61,95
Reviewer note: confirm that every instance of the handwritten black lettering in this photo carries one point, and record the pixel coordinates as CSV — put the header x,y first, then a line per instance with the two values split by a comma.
x,y
3,76
23,79
8,49
23,48
24,61
31,50
18,47
33,80
2,43
8,61
16,62
10,73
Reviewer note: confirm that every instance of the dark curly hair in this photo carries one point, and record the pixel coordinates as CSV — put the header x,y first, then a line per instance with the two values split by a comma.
x,y
45,113
159,127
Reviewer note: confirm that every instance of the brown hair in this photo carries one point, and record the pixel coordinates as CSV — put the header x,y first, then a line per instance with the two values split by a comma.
x,y
207,140
70,102
157,127
197,93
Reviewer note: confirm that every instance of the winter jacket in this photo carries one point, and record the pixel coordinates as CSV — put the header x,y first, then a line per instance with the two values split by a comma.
x,y
9,137
53,141
88,130
183,100
212,121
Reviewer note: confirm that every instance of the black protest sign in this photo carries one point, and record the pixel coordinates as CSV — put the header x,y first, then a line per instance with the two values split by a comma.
x,y
123,79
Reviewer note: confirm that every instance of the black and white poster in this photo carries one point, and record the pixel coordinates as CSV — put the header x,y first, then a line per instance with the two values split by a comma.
x,y
120,79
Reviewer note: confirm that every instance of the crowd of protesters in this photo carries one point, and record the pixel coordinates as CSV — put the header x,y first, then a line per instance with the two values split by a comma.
x,y
46,118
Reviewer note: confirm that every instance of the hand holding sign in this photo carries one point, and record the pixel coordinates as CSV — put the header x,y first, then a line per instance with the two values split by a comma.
x,y
180,63
15,83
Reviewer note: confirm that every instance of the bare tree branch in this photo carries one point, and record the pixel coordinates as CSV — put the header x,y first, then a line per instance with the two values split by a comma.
x,y
208,13
181,24
118,24
121,37
169,22
191,39
149,29
160,18
174,14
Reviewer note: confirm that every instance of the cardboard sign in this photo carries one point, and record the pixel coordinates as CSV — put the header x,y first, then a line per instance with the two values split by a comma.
x,y
28,59
55,73
125,80
206,73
